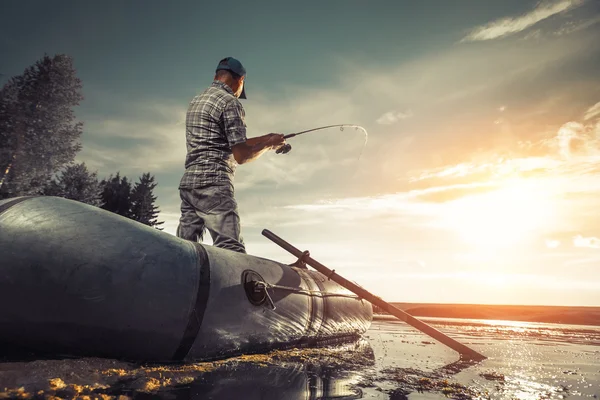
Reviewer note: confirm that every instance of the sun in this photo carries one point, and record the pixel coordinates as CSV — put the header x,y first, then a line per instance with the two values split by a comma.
x,y
515,213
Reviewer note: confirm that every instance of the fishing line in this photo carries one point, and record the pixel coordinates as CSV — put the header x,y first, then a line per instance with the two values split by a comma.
x,y
341,126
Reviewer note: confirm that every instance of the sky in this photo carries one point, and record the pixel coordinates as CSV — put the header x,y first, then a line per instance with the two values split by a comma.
x,y
480,178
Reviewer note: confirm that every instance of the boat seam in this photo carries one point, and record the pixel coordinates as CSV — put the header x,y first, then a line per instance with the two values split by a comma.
x,y
11,203
197,314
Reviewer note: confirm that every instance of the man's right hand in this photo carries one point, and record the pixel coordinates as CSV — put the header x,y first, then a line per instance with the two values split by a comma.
x,y
275,140
252,148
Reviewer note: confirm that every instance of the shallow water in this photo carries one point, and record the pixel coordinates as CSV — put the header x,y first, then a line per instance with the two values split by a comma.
x,y
392,361
525,360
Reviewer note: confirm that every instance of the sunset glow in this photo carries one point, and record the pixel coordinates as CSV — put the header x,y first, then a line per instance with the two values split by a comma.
x,y
505,217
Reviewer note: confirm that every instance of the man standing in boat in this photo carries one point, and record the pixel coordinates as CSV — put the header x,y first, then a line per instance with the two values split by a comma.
x,y
216,143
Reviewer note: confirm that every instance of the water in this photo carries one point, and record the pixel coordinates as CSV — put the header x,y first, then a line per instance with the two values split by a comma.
x,y
525,360
392,361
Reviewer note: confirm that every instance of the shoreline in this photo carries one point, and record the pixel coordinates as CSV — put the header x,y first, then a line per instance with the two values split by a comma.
x,y
568,315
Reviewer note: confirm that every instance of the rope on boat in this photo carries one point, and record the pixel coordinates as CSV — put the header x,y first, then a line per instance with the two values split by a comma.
x,y
317,293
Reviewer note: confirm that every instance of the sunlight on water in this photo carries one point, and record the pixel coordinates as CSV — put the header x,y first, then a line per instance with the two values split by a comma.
x,y
525,360
506,330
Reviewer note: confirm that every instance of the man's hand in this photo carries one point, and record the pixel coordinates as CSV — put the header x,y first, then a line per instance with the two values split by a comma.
x,y
278,143
252,148
275,140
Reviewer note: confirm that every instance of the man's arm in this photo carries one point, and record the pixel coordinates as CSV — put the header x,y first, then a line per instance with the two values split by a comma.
x,y
245,150
254,147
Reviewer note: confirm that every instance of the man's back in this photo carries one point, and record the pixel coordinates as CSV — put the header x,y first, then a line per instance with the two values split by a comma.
x,y
216,144
214,124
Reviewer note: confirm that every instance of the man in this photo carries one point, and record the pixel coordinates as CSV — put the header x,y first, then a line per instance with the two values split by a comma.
x,y
216,144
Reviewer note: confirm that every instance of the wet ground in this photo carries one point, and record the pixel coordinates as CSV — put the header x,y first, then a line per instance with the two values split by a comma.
x,y
392,361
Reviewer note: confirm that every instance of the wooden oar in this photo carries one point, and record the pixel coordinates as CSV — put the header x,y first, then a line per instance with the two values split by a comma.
x,y
464,351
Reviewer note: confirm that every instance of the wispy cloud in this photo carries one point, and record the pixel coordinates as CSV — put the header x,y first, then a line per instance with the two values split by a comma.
x,y
510,25
441,194
580,241
574,26
592,112
495,168
391,117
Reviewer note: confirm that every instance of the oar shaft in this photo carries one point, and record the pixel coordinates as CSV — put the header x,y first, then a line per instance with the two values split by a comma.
x,y
409,319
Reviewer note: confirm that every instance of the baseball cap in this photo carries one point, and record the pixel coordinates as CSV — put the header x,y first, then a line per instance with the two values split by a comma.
x,y
235,66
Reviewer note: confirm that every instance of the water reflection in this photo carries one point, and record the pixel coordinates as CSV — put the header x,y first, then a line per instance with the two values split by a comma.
x,y
254,382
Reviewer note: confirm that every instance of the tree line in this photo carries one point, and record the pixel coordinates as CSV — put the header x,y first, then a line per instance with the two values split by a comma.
x,y
39,139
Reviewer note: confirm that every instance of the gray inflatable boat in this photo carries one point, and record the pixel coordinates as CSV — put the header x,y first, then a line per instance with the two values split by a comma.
x,y
78,280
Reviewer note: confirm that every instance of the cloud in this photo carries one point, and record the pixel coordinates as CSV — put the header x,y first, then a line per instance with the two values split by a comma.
x,y
573,151
510,25
441,194
567,138
391,117
576,139
494,168
552,243
574,26
149,138
592,112
580,241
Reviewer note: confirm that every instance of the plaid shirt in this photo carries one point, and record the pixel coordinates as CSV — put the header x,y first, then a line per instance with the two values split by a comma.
x,y
214,124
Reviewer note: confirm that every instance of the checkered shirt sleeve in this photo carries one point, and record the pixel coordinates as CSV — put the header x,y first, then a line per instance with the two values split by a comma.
x,y
233,119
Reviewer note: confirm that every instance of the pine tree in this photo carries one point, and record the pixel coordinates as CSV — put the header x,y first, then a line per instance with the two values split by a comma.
x,y
143,208
116,195
76,183
38,132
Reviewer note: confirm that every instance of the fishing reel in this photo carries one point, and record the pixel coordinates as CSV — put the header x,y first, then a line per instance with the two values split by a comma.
x,y
284,149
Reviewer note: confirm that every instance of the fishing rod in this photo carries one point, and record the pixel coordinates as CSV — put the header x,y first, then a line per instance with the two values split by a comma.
x,y
287,147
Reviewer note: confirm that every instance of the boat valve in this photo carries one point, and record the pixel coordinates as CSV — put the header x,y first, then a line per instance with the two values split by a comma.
x,y
256,289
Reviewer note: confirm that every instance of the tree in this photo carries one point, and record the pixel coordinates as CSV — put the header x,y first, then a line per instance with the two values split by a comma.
x,y
116,195
143,208
76,183
38,132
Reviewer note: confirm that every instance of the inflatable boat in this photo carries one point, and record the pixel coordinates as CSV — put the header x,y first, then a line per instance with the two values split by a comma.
x,y
79,280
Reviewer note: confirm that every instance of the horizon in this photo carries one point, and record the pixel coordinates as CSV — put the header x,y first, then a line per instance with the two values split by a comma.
x,y
479,179
490,304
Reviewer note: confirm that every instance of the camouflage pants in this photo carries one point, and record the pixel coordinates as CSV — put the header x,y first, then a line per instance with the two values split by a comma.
x,y
215,209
